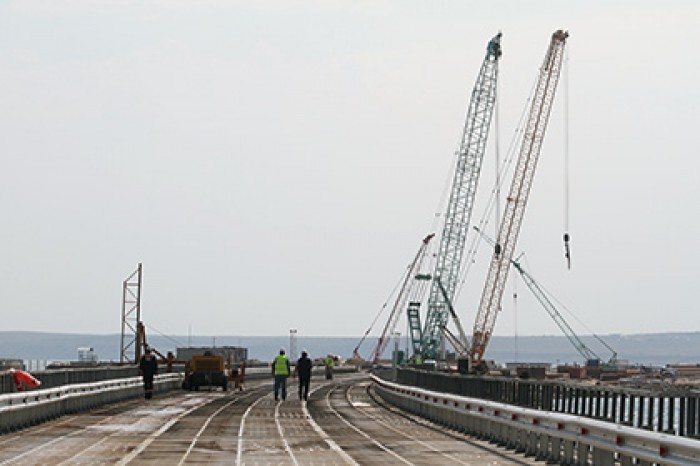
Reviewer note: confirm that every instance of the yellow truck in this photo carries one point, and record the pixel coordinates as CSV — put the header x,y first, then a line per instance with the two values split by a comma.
x,y
205,370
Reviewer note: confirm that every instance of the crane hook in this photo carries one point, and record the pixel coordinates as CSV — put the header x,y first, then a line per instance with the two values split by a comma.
x,y
567,251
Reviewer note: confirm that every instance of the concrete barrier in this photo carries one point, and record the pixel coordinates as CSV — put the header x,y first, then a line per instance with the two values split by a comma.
x,y
24,409
69,375
549,436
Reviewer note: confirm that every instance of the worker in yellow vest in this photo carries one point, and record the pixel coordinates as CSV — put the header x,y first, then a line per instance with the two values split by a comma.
x,y
329,362
280,370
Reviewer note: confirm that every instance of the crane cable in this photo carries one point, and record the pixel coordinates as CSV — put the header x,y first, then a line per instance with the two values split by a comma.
x,y
381,310
567,237
561,305
511,152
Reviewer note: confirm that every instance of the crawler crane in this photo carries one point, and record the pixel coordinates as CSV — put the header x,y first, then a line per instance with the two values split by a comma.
x,y
466,177
514,212
412,277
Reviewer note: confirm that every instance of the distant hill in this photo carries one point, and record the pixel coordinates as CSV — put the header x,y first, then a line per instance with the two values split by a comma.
x,y
656,348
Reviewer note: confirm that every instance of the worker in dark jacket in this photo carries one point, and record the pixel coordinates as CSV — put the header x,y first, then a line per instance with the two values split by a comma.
x,y
148,367
303,370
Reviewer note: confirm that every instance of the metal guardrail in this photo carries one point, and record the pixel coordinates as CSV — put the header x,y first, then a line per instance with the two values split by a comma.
x,y
666,408
549,436
20,410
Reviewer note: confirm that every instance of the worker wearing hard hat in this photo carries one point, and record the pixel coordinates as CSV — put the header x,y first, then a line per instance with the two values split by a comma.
x,y
303,370
148,367
329,362
280,369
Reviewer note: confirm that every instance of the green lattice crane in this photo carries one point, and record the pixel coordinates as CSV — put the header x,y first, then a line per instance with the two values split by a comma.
x,y
466,178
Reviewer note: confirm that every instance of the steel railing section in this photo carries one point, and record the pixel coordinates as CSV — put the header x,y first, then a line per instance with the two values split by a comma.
x,y
20,410
549,436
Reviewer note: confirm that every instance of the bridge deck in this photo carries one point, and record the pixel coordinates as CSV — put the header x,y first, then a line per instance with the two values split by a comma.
x,y
342,423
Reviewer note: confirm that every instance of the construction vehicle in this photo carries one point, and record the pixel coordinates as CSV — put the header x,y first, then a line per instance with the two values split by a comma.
x,y
205,370
470,155
509,228
208,369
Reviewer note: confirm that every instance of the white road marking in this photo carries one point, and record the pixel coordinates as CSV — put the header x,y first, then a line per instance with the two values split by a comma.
x,y
164,428
281,431
392,428
339,416
239,453
204,426
334,446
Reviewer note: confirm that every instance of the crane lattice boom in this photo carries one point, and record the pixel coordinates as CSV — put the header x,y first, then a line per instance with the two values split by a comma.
x,y
517,198
459,208
401,299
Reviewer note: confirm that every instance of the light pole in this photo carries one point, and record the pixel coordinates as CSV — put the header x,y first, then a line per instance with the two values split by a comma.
x,y
395,357
293,344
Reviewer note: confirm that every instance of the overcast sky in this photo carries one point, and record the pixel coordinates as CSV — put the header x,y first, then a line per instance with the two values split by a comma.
x,y
275,164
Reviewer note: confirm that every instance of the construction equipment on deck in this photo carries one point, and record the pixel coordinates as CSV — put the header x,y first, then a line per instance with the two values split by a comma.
x,y
466,177
205,370
513,214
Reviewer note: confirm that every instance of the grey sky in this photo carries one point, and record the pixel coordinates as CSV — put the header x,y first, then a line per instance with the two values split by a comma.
x,y
275,164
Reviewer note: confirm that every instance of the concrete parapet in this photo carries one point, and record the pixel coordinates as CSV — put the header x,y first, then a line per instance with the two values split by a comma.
x,y
20,410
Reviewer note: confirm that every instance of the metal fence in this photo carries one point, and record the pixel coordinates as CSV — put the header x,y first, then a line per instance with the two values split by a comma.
x,y
556,438
670,410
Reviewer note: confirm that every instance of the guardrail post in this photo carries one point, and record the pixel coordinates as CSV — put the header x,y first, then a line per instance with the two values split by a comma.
x,y
554,456
543,447
582,454
603,458
531,448
626,460
521,441
568,452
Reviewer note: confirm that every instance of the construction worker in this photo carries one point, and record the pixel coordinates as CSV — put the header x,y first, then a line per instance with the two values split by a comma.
x,y
148,367
303,370
280,369
329,362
